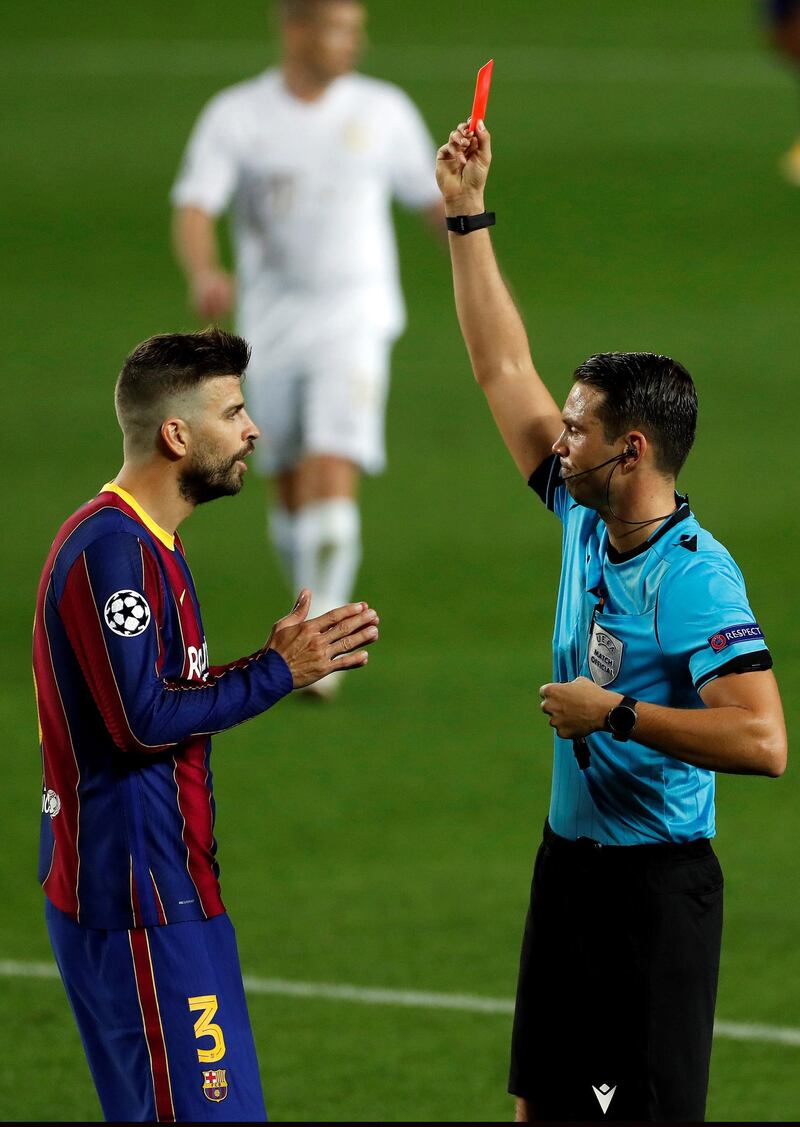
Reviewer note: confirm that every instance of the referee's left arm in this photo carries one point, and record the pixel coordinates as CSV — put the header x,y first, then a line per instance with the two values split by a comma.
x,y
705,626
741,730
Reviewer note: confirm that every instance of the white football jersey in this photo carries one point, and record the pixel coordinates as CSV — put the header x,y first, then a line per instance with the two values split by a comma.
x,y
310,186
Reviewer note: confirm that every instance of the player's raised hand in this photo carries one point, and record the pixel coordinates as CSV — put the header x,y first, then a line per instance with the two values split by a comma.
x,y
314,647
462,164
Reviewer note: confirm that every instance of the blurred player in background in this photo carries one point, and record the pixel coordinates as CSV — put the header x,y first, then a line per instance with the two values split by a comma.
x,y
309,156
127,702
661,678
784,16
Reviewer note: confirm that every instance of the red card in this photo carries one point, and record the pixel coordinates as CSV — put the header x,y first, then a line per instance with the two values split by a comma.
x,y
481,95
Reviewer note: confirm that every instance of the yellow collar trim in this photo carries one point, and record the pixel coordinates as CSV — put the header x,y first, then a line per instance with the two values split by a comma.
x,y
165,537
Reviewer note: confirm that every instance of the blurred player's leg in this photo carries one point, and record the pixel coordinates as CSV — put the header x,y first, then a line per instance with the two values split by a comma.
x,y
273,395
322,422
327,536
281,524
327,530
343,408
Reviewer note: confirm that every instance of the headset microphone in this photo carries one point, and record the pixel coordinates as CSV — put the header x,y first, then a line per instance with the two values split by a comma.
x,y
628,452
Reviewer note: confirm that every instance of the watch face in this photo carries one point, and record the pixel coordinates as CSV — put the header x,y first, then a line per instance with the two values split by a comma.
x,y
622,720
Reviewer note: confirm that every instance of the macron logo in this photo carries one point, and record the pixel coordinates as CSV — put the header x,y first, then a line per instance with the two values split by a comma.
x,y
604,1095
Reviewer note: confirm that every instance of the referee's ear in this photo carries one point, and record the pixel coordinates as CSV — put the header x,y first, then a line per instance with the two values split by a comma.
x,y
635,447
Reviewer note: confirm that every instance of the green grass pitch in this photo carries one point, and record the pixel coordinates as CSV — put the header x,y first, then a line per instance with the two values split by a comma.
x,y
387,842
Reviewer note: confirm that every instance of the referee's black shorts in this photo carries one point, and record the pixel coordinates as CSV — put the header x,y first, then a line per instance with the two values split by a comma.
x,y
618,981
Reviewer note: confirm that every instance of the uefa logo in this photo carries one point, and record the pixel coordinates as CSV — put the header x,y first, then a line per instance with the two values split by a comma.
x,y
127,613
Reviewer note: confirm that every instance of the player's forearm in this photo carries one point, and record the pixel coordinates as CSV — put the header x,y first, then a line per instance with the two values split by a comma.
x,y
729,739
145,714
198,708
490,321
194,238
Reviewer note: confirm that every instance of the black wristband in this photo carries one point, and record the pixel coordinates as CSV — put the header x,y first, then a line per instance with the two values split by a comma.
x,y
463,224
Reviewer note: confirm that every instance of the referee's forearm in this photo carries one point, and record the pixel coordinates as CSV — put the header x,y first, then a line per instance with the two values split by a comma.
x,y
733,740
490,322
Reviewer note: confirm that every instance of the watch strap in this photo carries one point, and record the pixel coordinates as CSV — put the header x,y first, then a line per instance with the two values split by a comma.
x,y
463,224
628,703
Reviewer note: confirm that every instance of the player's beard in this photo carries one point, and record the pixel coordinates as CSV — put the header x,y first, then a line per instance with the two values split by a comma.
x,y
208,477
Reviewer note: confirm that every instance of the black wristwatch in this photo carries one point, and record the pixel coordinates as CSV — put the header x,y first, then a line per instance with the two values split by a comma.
x,y
621,720
465,224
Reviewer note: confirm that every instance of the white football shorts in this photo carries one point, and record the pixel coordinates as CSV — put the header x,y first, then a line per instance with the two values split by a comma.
x,y
330,401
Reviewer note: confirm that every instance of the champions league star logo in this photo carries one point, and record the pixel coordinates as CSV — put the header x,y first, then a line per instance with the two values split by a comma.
x,y
215,1086
127,613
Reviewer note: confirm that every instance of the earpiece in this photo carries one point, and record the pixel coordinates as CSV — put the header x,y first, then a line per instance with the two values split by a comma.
x,y
630,451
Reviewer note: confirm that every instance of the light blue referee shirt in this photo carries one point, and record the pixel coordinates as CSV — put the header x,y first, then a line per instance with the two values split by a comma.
x,y
655,623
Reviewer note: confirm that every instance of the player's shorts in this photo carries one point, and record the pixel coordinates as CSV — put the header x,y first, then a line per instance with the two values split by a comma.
x,y
331,401
163,1019
618,981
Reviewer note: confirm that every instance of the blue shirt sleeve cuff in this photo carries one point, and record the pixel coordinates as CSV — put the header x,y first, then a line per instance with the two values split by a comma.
x,y
280,672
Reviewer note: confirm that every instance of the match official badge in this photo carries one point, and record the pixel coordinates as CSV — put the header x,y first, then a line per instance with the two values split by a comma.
x,y
605,1095
605,655
215,1086
127,613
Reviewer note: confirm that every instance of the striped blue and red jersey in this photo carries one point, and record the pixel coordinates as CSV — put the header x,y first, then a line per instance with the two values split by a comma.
x,y
127,703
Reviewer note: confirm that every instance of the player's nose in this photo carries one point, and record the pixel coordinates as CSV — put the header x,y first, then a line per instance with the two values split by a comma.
x,y
251,431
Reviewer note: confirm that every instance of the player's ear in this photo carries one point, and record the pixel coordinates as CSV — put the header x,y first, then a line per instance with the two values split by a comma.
x,y
174,435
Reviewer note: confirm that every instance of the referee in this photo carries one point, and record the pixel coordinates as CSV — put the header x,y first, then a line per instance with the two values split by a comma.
x,y
661,677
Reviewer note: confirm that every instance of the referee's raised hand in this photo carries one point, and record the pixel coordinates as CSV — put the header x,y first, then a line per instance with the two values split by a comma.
x,y
315,647
462,163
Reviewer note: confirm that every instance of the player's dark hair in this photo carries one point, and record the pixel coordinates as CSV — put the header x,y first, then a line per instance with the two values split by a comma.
x,y
645,390
165,366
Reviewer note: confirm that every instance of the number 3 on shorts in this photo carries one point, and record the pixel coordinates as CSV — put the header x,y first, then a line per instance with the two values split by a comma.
x,y
204,1027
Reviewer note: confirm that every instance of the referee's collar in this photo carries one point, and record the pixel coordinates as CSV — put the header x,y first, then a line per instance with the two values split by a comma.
x,y
681,513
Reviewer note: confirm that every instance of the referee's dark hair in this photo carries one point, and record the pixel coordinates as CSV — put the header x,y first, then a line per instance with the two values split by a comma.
x,y
164,367
643,389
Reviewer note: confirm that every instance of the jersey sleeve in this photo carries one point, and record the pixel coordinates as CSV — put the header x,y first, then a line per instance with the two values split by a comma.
x,y
547,483
209,171
414,168
703,618
112,610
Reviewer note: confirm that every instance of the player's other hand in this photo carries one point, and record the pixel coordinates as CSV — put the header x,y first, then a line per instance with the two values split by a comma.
x,y
462,166
314,647
211,294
